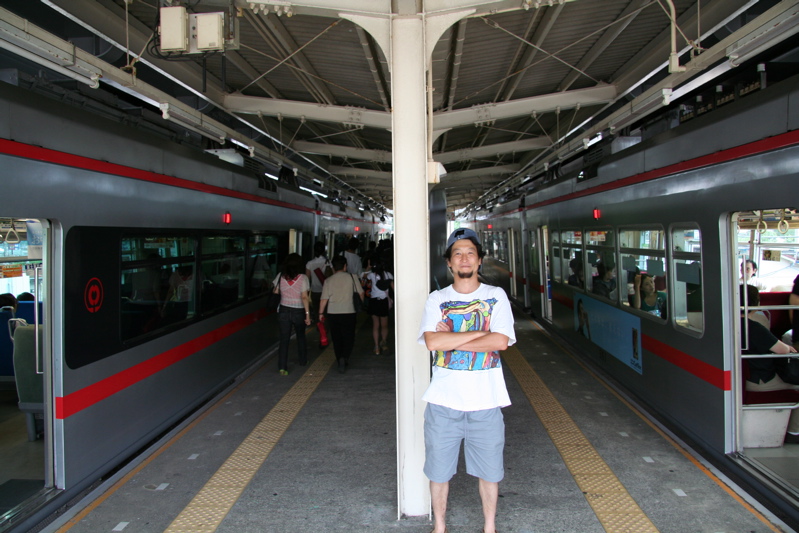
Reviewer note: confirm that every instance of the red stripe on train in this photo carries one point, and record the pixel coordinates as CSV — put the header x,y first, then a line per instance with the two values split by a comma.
x,y
48,155
715,376
79,400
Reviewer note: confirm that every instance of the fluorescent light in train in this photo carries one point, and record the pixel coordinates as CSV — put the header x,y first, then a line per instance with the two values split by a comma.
x,y
313,192
270,176
250,149
591,142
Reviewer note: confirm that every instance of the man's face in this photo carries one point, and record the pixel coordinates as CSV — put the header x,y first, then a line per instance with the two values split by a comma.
x,y
749,270
463,260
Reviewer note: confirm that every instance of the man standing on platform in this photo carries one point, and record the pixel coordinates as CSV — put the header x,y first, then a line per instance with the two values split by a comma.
x,y
466,325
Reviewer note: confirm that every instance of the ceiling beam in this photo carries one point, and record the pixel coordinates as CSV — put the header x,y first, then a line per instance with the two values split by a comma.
x,y
384,8
491,150
488,113
354,117
384,156
362,172
479,172
362,154
358,117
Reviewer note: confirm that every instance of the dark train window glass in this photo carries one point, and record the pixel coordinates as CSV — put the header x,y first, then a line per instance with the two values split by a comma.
x,y
501,246
643,268
262,263
555,258
223,271
136,248
157,283
601,263
573,268
686,294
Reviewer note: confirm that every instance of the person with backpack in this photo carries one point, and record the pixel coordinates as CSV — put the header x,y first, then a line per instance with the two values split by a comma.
x,y
377,284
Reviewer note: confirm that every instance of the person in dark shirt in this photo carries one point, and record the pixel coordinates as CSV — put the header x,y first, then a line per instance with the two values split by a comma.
x,y
793,299
605,283
763,372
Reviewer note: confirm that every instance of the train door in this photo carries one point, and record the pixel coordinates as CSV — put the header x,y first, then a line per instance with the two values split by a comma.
x,y
765,267
546,274
26,436
513,263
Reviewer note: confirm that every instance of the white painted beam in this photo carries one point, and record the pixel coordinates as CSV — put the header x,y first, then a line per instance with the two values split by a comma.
x,y
488,113
355,117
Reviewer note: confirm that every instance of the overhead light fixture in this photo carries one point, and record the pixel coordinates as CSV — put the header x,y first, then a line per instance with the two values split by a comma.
x,y
91,78
192,122
638,109
588,143
250,149
769,34
315,193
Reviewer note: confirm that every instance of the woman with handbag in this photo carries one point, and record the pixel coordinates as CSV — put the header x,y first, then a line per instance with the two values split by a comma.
x,y
379,281
339,294
294,311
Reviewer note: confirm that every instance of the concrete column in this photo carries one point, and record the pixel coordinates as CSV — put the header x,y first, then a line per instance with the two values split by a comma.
x,y
411,254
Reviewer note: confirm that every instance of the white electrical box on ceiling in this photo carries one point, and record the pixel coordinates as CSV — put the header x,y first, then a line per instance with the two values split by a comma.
x,y
207,31
174,36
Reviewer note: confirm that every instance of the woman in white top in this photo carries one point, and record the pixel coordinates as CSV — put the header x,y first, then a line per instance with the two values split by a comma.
x,y
378,282
294,310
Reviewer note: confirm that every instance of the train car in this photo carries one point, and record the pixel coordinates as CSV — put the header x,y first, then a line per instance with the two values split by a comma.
x,y
639,262
147,267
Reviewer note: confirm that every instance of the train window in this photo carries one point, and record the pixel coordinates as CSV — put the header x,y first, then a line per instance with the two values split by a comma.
x,y
262,263
767,248
601,258
223,271
149,283
643,264
502,248
686,294
573,258
556,264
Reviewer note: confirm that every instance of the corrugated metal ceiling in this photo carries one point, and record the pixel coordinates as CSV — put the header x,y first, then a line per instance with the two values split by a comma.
x,y
492,58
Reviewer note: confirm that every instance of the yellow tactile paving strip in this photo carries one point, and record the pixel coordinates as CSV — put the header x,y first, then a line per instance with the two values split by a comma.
x,y
612,504
210,506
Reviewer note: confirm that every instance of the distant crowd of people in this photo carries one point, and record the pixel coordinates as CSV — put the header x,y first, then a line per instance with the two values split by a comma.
x,y
331,292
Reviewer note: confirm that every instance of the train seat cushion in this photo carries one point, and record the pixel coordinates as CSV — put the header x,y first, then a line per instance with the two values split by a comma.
x,y
754,397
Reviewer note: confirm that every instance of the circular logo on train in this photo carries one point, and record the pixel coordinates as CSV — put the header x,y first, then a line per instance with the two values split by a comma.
x,y
93,295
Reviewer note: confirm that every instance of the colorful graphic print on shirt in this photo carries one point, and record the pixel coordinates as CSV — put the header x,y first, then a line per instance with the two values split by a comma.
x,y
468,316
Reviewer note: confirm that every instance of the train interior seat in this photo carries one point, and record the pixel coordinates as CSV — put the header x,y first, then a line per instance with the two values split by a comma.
x,y
765,415
30,384
25,311
779,318
6,345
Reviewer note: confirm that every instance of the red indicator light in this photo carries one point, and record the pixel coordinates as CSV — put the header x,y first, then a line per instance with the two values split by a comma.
x,y
597,214
490,226
226,218
357,228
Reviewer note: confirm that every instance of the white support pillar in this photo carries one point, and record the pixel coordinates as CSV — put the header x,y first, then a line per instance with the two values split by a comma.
x,y
411,258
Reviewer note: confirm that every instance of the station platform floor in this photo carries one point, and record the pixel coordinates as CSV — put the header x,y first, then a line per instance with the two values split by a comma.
x,y
315,451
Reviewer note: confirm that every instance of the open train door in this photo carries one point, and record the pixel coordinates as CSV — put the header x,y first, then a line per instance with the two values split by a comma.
x,y
539,272
26,394
765,260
